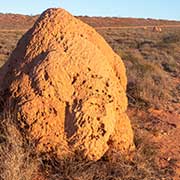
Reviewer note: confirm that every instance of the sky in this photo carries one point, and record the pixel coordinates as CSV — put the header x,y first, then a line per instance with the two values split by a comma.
x,y
159,9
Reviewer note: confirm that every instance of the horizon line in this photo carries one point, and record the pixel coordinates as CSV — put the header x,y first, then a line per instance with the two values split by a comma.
x,y
97,16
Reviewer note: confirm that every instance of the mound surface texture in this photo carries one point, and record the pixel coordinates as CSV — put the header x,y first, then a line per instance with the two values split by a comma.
x,y
68,87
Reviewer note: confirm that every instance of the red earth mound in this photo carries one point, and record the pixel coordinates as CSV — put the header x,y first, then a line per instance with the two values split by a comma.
x,y
68,87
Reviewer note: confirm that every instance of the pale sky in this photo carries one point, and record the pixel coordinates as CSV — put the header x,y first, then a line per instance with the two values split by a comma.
x,y
159,9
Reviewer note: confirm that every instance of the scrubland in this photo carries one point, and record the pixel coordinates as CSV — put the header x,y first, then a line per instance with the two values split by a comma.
x,y
152,61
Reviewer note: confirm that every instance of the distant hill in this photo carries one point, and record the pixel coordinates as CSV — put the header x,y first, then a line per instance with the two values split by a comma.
x,y
17,21
121,22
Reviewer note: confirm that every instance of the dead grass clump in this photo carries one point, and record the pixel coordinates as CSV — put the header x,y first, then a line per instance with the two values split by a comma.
x,y
171,38
18,161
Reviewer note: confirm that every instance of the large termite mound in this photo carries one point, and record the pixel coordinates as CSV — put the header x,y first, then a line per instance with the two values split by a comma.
x,y
68,88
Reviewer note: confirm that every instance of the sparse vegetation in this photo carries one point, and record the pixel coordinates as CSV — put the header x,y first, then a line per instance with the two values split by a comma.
x,y
153,68
8,40
152,61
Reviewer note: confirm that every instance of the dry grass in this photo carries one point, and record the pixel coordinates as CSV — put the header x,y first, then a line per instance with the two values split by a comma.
x,y
153,63
8,40
18,161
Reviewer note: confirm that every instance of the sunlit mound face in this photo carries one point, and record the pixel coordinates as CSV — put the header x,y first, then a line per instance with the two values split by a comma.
x,y
69,88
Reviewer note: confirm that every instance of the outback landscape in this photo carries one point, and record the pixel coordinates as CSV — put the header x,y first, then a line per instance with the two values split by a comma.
x,y
152,61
